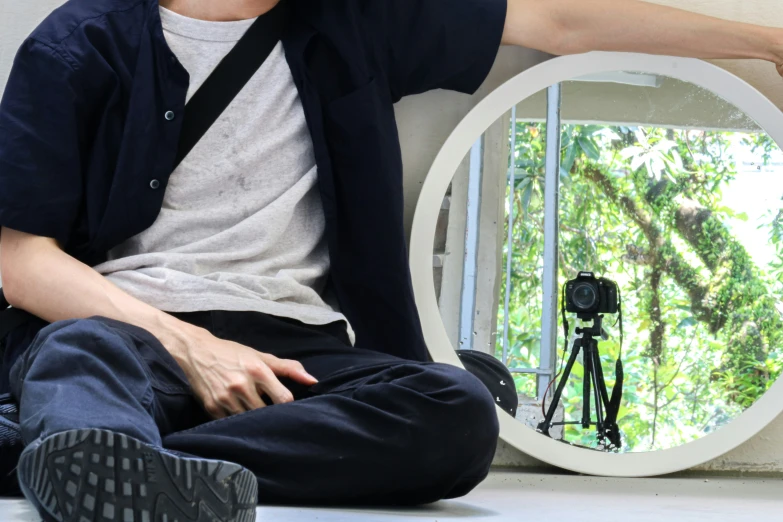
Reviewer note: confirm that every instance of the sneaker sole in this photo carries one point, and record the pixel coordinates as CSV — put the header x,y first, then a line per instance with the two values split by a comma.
x,y
100,476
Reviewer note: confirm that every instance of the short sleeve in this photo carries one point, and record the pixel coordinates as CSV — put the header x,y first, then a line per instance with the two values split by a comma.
x,y
40,165
438,44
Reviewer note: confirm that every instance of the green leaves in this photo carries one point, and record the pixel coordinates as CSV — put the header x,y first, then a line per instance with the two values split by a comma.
x,y
697,382
590,148
567,162
527,193
686,323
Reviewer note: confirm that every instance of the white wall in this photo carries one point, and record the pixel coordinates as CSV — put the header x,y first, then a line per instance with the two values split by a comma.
x,y
425,122
17,19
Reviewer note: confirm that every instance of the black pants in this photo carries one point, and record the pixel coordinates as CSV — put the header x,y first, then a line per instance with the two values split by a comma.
x,y
375,429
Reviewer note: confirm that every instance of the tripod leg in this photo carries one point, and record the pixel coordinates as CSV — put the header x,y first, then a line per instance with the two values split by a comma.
x,y
544,425
591,352
588,371
599,372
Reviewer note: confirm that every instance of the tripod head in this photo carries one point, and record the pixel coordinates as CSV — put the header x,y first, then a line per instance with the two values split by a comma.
x,y
596,330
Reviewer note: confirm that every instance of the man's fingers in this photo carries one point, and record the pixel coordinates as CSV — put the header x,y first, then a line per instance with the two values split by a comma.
x,y
234,399
229,403
208,400
277,392
249,395
214,411
252,401
235,396
268,383
292,370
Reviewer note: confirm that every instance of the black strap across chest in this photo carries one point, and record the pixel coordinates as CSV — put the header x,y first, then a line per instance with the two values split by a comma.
x,y
229,77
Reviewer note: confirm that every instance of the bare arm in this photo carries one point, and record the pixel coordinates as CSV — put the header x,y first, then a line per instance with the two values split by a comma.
x,y
42,279
575,26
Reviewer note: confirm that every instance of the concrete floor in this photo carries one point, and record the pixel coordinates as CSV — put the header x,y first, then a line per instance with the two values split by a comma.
x,y
515,497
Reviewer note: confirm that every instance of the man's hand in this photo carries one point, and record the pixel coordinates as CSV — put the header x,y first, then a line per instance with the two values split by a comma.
x,y
227,377
230,378
575,26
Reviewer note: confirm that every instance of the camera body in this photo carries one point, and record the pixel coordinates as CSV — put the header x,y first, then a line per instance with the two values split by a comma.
x,y
591,295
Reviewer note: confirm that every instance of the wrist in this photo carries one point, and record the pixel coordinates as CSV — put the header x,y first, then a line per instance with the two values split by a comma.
x,y
175,335
771,44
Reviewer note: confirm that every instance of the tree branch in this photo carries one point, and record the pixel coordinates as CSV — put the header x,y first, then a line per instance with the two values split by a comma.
x,y
669,259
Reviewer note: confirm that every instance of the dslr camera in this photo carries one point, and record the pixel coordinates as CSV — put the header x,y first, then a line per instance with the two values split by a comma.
x,y
589,295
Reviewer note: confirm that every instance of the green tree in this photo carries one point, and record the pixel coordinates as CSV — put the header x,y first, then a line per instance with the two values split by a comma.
x,y
644,207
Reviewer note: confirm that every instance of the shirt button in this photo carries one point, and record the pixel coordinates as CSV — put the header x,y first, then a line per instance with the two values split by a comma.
x,y
154,184
169,115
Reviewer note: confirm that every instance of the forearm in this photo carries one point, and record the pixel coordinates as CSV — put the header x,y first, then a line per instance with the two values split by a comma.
x,y
40,278
576,26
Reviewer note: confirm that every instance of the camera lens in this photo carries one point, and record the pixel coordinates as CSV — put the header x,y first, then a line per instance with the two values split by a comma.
x,y
584,296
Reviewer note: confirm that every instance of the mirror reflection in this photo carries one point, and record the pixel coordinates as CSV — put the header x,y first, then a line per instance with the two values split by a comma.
x,y
668,196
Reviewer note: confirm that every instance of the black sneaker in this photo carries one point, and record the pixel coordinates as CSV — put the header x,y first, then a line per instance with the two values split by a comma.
x,y
10,447
102,476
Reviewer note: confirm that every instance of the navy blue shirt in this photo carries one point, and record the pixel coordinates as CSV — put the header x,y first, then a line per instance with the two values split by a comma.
x,y
87,147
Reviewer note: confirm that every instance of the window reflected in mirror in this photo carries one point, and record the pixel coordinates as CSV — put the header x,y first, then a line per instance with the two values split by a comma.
x,y
665,189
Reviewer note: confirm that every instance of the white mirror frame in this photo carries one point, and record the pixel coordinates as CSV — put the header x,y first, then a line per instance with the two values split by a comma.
x,y
524,85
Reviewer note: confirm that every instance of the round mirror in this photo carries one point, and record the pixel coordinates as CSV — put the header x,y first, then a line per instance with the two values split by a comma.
x,y
610,227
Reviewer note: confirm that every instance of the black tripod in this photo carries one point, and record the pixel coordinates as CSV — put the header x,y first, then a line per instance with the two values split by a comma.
x,y
593,384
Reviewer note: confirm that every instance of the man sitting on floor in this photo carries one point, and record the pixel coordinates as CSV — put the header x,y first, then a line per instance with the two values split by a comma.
x,y
242,327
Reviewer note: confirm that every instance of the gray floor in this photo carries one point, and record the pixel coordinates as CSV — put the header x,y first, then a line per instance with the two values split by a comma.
x,y
510,496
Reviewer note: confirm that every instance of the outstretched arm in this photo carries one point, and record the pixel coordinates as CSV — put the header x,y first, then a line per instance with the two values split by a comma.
x,y
575,26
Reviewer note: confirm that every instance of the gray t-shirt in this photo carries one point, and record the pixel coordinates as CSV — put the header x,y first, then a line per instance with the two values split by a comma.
x,y
242,225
